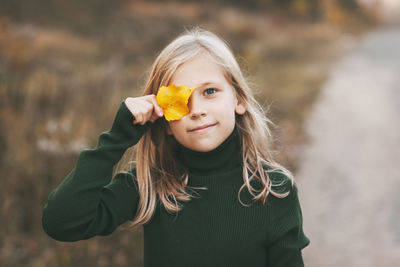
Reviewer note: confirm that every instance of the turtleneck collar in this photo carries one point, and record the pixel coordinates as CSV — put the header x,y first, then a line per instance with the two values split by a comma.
x,y
225,157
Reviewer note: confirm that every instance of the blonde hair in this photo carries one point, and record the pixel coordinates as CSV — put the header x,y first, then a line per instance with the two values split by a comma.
x,y
159,174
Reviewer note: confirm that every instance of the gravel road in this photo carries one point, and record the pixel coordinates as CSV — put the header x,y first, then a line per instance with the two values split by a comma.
x,y
349,175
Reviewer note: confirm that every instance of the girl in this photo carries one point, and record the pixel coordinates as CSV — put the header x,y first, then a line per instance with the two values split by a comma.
x,y
205,187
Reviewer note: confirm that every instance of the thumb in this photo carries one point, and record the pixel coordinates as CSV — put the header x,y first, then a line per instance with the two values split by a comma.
x,y
157,109
158,112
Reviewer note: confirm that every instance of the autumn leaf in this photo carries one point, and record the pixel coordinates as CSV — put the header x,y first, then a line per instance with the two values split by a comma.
x,y
173,100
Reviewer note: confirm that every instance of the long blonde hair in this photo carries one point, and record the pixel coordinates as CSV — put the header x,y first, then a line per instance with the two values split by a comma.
x,y
159,174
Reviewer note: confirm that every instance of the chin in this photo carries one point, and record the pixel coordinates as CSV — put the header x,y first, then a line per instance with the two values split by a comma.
x,y
204,148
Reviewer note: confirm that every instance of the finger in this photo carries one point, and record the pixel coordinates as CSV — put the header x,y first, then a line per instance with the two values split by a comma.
x,y
147,110
138,117
157,109
135,106
155,115
141,111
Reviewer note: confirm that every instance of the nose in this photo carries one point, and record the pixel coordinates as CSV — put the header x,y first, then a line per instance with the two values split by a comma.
x,y
196,107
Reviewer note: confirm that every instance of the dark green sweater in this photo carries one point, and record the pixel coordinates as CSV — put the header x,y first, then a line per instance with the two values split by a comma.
x,y
212,230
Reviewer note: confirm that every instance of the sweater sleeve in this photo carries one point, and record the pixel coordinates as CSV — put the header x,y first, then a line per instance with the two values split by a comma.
x,y
89,202
286,236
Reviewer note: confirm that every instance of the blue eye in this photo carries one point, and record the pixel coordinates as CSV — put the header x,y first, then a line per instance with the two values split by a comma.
x,y
210,91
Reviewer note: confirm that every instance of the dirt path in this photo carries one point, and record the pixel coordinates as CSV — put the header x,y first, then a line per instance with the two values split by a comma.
x,y
349,174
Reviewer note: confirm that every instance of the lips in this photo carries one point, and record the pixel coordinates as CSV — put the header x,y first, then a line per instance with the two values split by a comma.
x,y
202,127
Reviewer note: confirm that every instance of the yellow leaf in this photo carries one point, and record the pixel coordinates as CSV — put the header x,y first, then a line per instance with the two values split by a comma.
x,y
173,100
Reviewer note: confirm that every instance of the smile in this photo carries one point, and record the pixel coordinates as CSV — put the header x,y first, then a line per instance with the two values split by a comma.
x,y
202,128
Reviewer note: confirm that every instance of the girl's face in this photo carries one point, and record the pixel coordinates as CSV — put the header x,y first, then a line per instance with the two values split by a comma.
x,y
212,105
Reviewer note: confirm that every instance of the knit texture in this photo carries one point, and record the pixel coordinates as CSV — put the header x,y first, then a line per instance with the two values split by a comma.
x,y
213,229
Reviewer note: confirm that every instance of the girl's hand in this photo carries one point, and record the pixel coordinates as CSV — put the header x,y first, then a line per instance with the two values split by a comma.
x,y
144,108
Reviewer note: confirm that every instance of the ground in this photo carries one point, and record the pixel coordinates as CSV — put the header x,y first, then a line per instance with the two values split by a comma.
x,y
349,171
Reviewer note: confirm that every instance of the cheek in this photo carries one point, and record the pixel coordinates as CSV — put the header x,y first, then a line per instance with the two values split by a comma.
x,y
170,128
228,110
231,116
174,128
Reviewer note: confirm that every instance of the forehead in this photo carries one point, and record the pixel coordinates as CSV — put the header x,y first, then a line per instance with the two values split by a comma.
x,y
198,70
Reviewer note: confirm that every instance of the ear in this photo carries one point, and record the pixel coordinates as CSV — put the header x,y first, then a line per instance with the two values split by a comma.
x,y
240,108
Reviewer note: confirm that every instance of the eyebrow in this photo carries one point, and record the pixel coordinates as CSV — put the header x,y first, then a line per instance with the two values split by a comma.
x,y
205,84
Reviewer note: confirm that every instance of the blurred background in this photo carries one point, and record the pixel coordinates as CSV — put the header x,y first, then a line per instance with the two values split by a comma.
x,y
65,67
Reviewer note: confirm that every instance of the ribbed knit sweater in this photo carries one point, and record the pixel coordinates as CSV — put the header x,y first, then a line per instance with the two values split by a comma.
x,y
214,229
